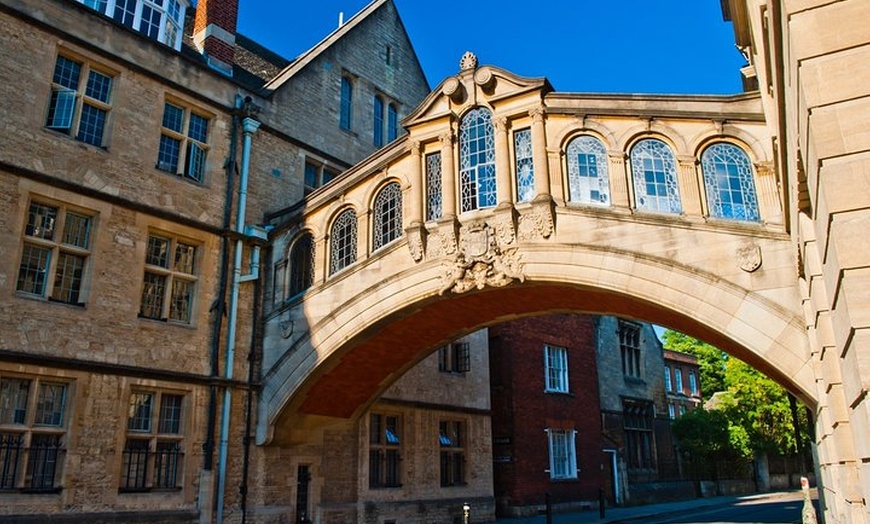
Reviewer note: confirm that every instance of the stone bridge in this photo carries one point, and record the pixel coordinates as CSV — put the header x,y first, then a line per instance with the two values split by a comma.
x,y
507,199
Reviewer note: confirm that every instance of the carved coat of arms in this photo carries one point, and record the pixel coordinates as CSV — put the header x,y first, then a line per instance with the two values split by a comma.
x,y
480,262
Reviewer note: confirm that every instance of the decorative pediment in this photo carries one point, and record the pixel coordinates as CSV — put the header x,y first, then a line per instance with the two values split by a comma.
x,y
472,86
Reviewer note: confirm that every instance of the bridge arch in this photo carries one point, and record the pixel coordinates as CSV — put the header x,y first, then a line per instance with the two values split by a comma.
x,y
397,321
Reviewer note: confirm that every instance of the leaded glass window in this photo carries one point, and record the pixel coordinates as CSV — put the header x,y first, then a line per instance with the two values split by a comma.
x,y
387,215
654,171
588,179
159,20
343,241
477,161
169,282
729,183
301,264
433,186
524,166
80,101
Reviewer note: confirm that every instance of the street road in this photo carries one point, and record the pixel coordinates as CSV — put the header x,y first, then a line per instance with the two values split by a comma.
x,y
762,511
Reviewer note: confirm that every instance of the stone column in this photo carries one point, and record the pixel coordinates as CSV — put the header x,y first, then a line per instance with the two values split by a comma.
x,y
619,179
769,202
502,162
687,182
448,176
416,209
540,159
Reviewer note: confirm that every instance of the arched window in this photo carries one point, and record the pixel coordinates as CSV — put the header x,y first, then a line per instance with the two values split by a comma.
x,y
301,264
729,183
387,215
654,171
588,180
477,161
392,122
524,165
346,108
378,122
342,241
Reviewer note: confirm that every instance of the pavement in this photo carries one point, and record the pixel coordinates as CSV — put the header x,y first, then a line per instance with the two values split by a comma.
x,y
663,510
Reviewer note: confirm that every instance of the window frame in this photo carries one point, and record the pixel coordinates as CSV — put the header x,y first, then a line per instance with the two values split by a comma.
x,y
74,101
345,111
452,443
143,467
737,166
477,170
387,216
18,436
343,235
556,369
316,174
653,157
169,27
56,249
630,349
170,275
187,165
592,149
455,358
562,447
385,455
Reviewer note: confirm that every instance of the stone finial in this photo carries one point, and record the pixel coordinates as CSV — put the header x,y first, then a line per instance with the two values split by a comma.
x,y
468,61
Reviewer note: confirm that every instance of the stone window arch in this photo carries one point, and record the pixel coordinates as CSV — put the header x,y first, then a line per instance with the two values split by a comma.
x,y
588,178
301,258
477,160
387,219
342,241
654,174
729,183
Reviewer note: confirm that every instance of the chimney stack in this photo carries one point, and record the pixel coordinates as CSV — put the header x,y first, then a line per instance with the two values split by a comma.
x,y
214,32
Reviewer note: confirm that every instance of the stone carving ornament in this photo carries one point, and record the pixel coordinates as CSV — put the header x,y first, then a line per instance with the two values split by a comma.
x,y
749,257
480,262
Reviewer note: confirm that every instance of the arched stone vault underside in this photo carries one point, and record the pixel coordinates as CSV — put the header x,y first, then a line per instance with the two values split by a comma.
x,y
371,335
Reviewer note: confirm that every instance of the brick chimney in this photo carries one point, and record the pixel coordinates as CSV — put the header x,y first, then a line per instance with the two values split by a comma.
x,y
214,32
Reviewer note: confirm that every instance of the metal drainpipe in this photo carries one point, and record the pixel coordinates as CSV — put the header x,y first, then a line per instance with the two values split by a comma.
x,y
219,306
249,127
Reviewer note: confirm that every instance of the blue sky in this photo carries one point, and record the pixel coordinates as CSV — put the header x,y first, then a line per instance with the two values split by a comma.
x,y
615,46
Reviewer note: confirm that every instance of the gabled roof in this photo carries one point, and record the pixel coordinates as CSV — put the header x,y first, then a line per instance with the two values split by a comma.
x,y
307,57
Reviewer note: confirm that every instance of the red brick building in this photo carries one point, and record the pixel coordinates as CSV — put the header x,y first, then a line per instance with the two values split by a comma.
x,y
682,383
546,420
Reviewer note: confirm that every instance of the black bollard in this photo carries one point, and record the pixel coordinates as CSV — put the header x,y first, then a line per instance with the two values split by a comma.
x,y
549,507
601,503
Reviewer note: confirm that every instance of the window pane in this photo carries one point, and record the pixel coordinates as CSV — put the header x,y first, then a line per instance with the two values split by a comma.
x,y
185,256
523,165
11,449
167,464
43,463
149,23
33,271
67,73
729,183
388,215
170,414
157,253
195,162
378,122
173,117
301,265
50,404
153,292
181,300
135,465
77,230
168,153
433,186
588,180
92,124
392,122
125,12
654,172
346,108
13,400
477,160
68,278
343,241
198,129
41,220
310,176
60,109
99,86
139,413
